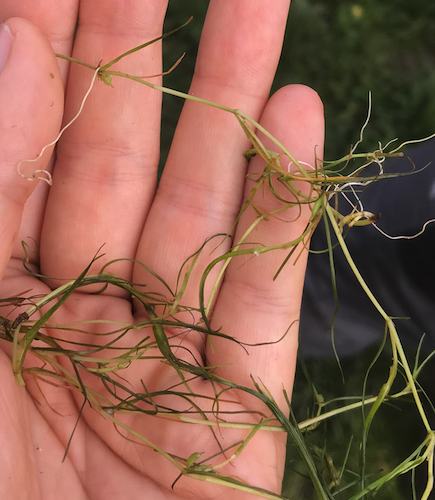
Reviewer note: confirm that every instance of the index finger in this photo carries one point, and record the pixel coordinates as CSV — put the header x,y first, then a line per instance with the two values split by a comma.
x,y
106,168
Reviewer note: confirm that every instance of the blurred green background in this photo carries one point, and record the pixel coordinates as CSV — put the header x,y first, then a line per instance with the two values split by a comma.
x,y
342,49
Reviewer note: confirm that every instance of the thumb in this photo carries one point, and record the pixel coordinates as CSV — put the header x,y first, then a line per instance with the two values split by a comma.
x,y
31,104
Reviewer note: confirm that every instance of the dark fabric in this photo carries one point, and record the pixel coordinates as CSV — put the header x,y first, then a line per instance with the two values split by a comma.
x,y
400,273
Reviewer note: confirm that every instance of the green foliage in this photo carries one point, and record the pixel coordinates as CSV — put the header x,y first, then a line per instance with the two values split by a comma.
x,y
393,434
343,49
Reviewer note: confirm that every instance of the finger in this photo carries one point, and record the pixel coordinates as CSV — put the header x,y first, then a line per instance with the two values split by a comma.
x,y
202,184
106,167
31,100
57,21
251,306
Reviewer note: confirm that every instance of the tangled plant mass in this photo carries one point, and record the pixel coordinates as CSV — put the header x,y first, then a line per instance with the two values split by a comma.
x,y
296,186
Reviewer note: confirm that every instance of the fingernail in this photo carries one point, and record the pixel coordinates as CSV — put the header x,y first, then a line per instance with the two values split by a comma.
x,y
5,44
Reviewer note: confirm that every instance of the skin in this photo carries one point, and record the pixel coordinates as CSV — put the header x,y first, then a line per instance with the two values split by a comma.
x,y
104,191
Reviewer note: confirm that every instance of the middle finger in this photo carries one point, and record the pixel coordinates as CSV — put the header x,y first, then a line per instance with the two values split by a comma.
x,y
201,188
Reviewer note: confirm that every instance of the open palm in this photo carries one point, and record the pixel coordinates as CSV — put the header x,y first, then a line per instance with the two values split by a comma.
x,y
104,192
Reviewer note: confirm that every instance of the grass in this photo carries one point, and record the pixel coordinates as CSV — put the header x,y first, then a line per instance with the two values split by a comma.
x,y
393,434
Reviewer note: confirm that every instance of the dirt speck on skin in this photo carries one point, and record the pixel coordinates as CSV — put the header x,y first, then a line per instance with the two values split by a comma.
x,y
51,75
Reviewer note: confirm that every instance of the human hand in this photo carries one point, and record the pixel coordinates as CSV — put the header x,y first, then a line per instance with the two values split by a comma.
x,y
104,192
